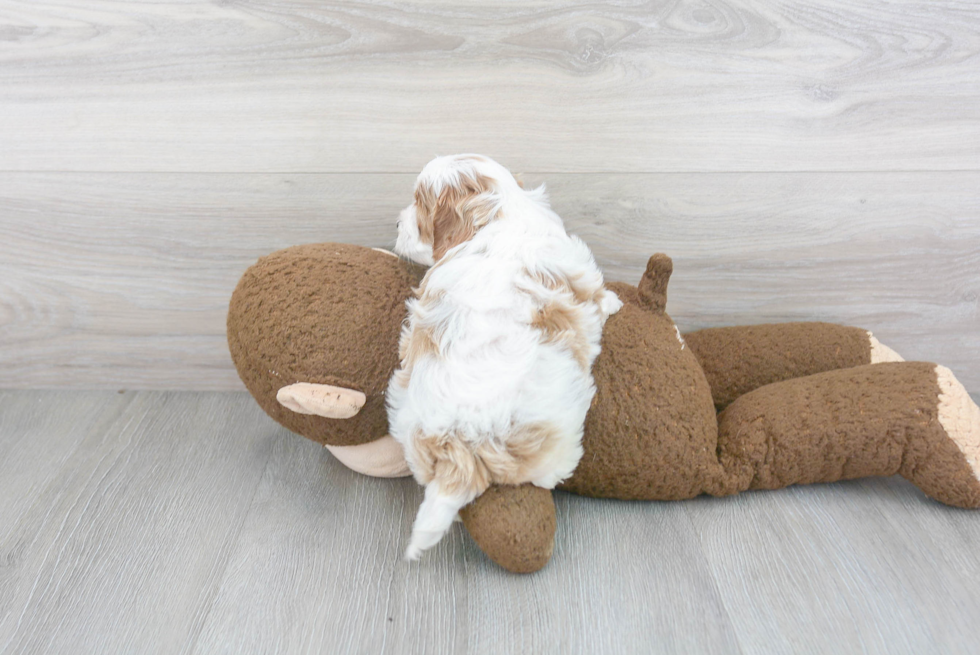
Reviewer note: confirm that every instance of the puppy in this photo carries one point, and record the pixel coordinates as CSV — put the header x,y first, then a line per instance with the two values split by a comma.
x,y
496,353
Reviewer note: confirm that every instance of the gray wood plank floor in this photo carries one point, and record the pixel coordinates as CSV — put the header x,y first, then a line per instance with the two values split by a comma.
x,y
183,522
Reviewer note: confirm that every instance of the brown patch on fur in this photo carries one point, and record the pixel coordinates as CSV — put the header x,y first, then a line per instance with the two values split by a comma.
x,y
422,457
455,215
559,324
559,320
448,459
584,293
550,282
573,285
414,344
461,470
449,229
419,343
401,377
428,299
513,461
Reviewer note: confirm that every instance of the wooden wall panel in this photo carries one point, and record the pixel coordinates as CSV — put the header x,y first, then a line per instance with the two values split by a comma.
x,y
122,280
314,86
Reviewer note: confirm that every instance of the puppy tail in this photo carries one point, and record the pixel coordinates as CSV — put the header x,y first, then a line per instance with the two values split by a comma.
x,y
435,517
454,476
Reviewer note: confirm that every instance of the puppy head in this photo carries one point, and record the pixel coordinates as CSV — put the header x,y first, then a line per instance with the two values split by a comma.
x,y
455,196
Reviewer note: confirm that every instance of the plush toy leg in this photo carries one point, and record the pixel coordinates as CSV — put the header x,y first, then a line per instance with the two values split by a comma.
x,y
910,418
737,360
514,526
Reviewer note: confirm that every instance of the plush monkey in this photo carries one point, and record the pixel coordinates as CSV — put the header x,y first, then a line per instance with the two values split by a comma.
x,y
313,331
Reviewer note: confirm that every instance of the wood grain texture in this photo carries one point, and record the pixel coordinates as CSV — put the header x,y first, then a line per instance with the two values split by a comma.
x,y
188,522
863,566
662,86
123,280
121,549
319,569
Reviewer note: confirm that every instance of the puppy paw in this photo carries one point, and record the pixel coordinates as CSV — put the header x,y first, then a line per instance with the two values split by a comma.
x,y
550,480
610,303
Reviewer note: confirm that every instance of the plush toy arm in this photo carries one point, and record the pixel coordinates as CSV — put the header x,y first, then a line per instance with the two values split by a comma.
x,y
737,360
514,526
909,418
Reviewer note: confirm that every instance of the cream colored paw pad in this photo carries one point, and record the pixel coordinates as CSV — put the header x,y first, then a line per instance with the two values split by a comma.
x,y
960,417
881,353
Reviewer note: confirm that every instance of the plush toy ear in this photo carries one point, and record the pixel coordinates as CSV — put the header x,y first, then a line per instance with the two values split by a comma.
x,y
321,399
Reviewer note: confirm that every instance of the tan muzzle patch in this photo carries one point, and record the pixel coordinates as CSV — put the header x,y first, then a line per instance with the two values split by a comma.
x,y
381,458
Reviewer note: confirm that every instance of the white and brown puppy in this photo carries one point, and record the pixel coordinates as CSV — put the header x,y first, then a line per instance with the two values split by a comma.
x,y
496,354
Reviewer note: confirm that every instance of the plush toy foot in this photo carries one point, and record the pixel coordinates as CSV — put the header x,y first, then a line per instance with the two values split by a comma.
x,y
910,418
514,526
960,418
880,353
737,360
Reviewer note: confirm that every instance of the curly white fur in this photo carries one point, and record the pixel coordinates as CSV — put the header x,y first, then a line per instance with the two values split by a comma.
x,y
496,354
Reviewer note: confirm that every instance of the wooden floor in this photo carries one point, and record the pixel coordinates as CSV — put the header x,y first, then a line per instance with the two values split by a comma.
x,y
183,522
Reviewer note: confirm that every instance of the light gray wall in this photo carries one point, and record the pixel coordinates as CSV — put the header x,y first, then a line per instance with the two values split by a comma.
x,y
815,160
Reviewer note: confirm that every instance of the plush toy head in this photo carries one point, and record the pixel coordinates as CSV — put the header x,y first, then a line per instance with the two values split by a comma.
x,y
327,314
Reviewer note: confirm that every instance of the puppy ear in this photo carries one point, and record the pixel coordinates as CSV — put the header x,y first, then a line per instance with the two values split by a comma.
x,y
457,214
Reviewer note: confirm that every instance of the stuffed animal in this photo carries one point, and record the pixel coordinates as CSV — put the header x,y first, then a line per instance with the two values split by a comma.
x,y
313,331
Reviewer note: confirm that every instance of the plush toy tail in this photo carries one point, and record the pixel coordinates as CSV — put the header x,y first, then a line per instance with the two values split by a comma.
x,y
653,285
435,517
455,476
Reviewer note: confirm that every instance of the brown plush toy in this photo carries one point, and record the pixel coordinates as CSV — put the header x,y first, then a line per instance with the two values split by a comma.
x,y
313,331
